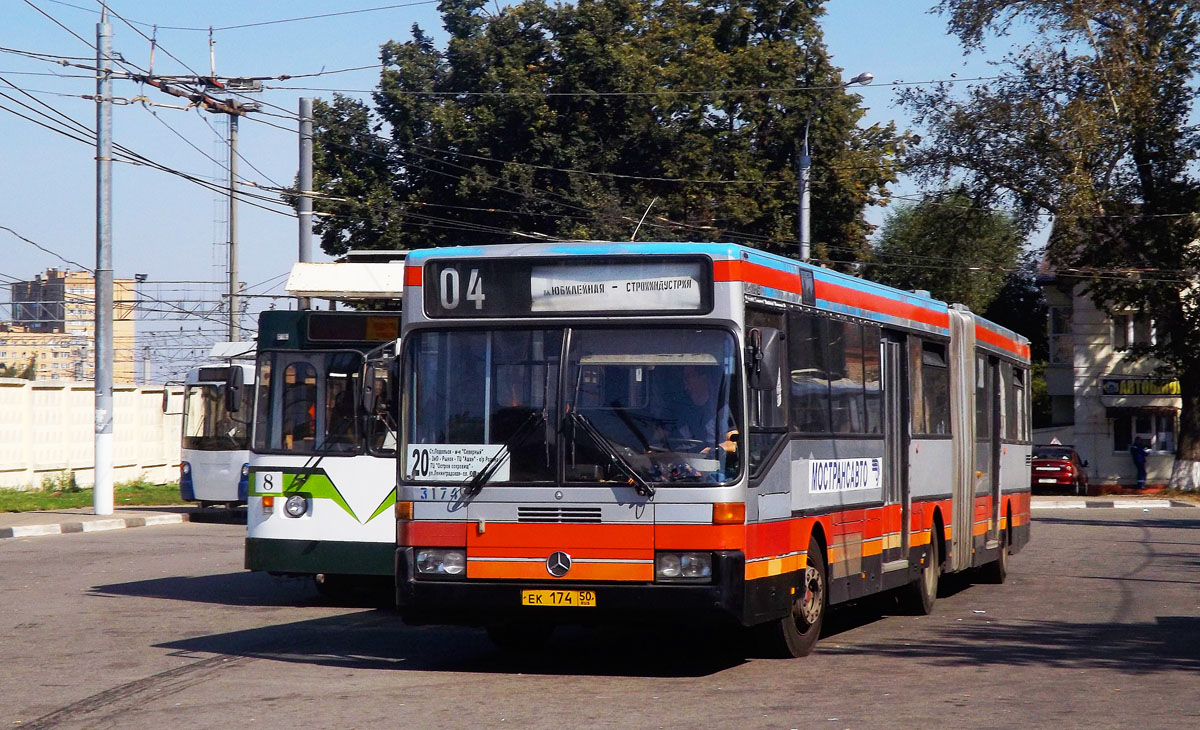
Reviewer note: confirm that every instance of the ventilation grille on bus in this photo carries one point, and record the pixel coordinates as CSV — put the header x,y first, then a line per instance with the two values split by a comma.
x,y
558,514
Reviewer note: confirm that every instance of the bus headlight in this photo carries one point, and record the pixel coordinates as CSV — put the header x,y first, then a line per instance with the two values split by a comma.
x,y
441,561
683,567
296,505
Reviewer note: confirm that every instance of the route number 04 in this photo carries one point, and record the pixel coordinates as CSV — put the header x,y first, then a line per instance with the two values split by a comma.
x,y
451,288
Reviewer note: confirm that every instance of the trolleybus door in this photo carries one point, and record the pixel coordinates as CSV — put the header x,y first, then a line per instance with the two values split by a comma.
x,y
896,440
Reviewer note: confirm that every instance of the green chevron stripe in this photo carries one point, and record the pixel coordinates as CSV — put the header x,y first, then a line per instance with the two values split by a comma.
x,y
385,505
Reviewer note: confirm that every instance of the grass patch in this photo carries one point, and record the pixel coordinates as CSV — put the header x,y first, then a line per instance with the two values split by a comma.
x,y
60,492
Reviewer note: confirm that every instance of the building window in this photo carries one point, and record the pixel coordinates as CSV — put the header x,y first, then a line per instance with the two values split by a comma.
x,y
1155,429
1132,330
1062,343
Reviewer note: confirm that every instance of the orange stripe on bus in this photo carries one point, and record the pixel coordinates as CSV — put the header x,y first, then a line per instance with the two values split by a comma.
x,y
775,566
700,537
433,534
477,551
561,537
1001,341
756,274
523,570
829,291
412,276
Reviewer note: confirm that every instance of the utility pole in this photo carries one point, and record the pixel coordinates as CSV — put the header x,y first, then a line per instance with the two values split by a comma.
x,y
804,163
102,470
233,258
234,109
305,209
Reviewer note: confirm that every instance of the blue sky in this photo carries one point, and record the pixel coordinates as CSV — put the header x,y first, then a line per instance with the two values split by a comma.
x,y
165,227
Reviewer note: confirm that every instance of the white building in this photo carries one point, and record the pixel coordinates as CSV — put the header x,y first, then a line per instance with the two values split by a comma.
x,y
1103,397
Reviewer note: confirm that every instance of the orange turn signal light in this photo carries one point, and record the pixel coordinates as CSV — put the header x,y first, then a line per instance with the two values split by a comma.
x,y
404,510
729,513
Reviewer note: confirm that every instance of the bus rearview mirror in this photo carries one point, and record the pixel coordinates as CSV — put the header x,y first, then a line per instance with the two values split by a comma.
x,y
763,357
233,389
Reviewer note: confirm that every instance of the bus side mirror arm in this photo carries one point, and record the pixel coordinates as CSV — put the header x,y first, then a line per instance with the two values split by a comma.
x,y
764,354
233,389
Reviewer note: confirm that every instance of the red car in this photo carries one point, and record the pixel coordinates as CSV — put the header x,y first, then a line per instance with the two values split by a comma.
x,y
1056,468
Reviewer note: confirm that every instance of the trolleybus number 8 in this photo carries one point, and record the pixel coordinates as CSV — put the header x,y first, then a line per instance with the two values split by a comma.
x,y
450,288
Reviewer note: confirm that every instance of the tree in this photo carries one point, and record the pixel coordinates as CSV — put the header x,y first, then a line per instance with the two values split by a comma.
x,y
948,246
572,121
1090,125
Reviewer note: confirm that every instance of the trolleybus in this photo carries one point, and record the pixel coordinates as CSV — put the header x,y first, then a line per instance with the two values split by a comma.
x,y
322,463
687,432
215,445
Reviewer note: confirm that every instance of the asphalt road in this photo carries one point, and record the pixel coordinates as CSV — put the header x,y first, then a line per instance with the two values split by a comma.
x,y
159,627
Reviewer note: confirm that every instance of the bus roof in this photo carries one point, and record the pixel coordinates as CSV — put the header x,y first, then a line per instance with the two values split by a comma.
x,y
777,277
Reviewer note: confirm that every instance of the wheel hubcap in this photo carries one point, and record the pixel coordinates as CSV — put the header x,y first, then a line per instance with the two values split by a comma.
x,y
813,598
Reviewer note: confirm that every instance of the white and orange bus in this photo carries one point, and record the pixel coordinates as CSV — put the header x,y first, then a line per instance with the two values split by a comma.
x,y
687,431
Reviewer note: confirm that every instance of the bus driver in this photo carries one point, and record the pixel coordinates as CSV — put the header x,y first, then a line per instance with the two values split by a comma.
x,y
694,416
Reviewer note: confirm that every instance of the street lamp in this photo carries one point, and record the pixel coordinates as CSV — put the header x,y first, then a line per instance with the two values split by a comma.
x,y
805,163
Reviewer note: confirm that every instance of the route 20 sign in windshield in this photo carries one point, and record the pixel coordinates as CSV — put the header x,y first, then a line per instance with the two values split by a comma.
x,y
531,287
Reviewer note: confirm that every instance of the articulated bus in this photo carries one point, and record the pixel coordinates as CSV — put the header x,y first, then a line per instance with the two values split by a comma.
x,y
323,451
216,439
694,432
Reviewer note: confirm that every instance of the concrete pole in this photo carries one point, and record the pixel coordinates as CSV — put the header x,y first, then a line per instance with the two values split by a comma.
x,y
805,164
102,493
233,232
305,203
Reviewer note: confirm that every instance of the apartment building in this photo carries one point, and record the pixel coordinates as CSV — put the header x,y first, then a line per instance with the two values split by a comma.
x,y
1102,396
53,327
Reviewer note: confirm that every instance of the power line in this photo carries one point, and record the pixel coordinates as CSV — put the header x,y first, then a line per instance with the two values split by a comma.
x,y
258,23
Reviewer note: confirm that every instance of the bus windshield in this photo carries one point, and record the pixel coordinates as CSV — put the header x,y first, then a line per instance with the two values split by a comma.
x,y
307,402
207,425
660,402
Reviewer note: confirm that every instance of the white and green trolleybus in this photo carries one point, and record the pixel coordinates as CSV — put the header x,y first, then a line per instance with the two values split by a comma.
x,y
322,475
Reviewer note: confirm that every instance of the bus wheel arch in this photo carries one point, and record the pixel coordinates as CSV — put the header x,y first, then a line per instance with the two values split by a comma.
x,y
796,634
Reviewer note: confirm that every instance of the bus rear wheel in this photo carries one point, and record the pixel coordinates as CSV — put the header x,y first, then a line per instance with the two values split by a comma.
x,y
796,634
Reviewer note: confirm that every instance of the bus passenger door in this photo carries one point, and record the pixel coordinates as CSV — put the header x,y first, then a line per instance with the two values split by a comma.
x,y
895,451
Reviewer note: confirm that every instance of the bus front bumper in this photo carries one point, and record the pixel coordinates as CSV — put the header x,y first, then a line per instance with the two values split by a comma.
x,y
476,602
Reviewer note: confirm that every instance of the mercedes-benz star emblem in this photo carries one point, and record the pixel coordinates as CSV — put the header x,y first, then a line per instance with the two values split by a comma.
x,y
558,564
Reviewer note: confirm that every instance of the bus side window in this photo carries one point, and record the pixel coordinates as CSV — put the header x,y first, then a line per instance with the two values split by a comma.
x,y
809,375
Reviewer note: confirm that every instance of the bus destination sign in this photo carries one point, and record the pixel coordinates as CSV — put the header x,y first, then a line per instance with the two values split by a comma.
x,y
531,287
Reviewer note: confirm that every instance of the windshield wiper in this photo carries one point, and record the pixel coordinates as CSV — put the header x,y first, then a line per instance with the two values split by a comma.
x,y
484,475
635,480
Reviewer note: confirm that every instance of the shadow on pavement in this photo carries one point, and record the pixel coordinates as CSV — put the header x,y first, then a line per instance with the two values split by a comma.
x,y
1172,643
248,589
379,640
1150,523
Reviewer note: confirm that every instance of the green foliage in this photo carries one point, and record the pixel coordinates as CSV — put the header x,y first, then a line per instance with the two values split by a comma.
x,y
570,121
948,246
63,481
29,372
135,493
1090,125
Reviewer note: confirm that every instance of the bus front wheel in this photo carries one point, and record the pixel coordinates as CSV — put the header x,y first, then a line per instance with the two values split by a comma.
x,y
796,634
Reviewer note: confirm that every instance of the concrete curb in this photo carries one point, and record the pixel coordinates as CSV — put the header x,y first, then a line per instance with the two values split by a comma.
x,y
1110,504
99,525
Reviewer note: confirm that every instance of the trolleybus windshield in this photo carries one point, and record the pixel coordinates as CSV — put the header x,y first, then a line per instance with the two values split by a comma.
x,y
308,402
208,425
664,400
